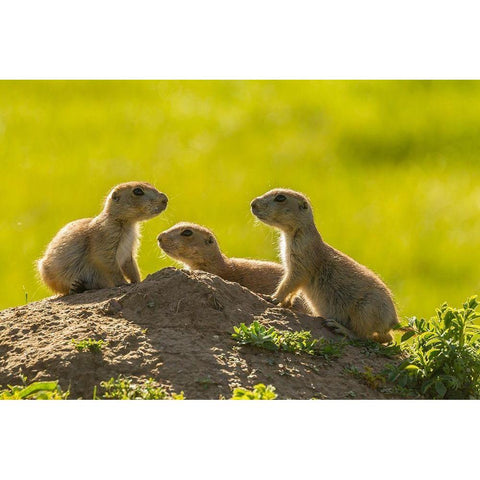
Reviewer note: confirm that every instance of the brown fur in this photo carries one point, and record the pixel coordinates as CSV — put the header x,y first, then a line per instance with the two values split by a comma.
x,y
200,251
100,252
335,285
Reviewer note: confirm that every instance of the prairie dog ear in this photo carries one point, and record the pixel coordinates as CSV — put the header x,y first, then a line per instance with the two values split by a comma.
x,y
209,240
115,196
304,206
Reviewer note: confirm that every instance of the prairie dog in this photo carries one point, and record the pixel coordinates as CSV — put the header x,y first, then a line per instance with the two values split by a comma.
x,y
100,252
197,248
336,286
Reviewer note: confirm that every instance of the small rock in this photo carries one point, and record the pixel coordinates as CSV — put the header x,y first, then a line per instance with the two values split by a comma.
x,y
112,307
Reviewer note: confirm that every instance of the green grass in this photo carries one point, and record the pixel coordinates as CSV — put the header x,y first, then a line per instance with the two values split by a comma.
x,y
289,341
124,388
259,392
34,391
392,169
89,344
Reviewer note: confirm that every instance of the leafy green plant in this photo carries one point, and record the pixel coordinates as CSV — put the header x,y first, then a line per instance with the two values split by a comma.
x,y
259,392
205,381
367,376
328,349
89,344
123,388
34,391
272,339
257,335
378,381
371,348
443,354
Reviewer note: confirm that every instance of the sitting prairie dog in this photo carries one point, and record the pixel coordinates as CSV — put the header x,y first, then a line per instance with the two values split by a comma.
x,y
197,248
336,286
100,252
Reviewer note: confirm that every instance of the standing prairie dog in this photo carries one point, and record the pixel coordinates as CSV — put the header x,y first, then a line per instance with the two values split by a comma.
x,y
197,248
100,252
336,286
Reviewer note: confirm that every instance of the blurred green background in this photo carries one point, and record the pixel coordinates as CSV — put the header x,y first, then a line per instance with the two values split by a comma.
x,y
392,169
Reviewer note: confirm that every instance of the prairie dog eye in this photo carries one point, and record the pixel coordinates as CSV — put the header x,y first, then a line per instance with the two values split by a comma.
x,y
187,233
138,191
280,198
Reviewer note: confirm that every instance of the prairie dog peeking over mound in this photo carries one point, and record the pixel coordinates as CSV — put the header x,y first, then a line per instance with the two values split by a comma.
x,y
336,286
197,248
100,252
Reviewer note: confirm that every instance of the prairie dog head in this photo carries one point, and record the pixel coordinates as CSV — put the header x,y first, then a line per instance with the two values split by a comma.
x,y
190,244
135,201
284,209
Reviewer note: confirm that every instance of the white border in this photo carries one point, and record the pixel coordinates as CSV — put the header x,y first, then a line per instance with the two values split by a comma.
x,y
218,39
235,439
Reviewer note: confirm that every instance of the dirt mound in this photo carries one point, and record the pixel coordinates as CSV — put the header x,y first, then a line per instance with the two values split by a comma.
x,y
175,327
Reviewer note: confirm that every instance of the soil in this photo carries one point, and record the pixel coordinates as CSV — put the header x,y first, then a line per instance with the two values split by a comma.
x,y
175,327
